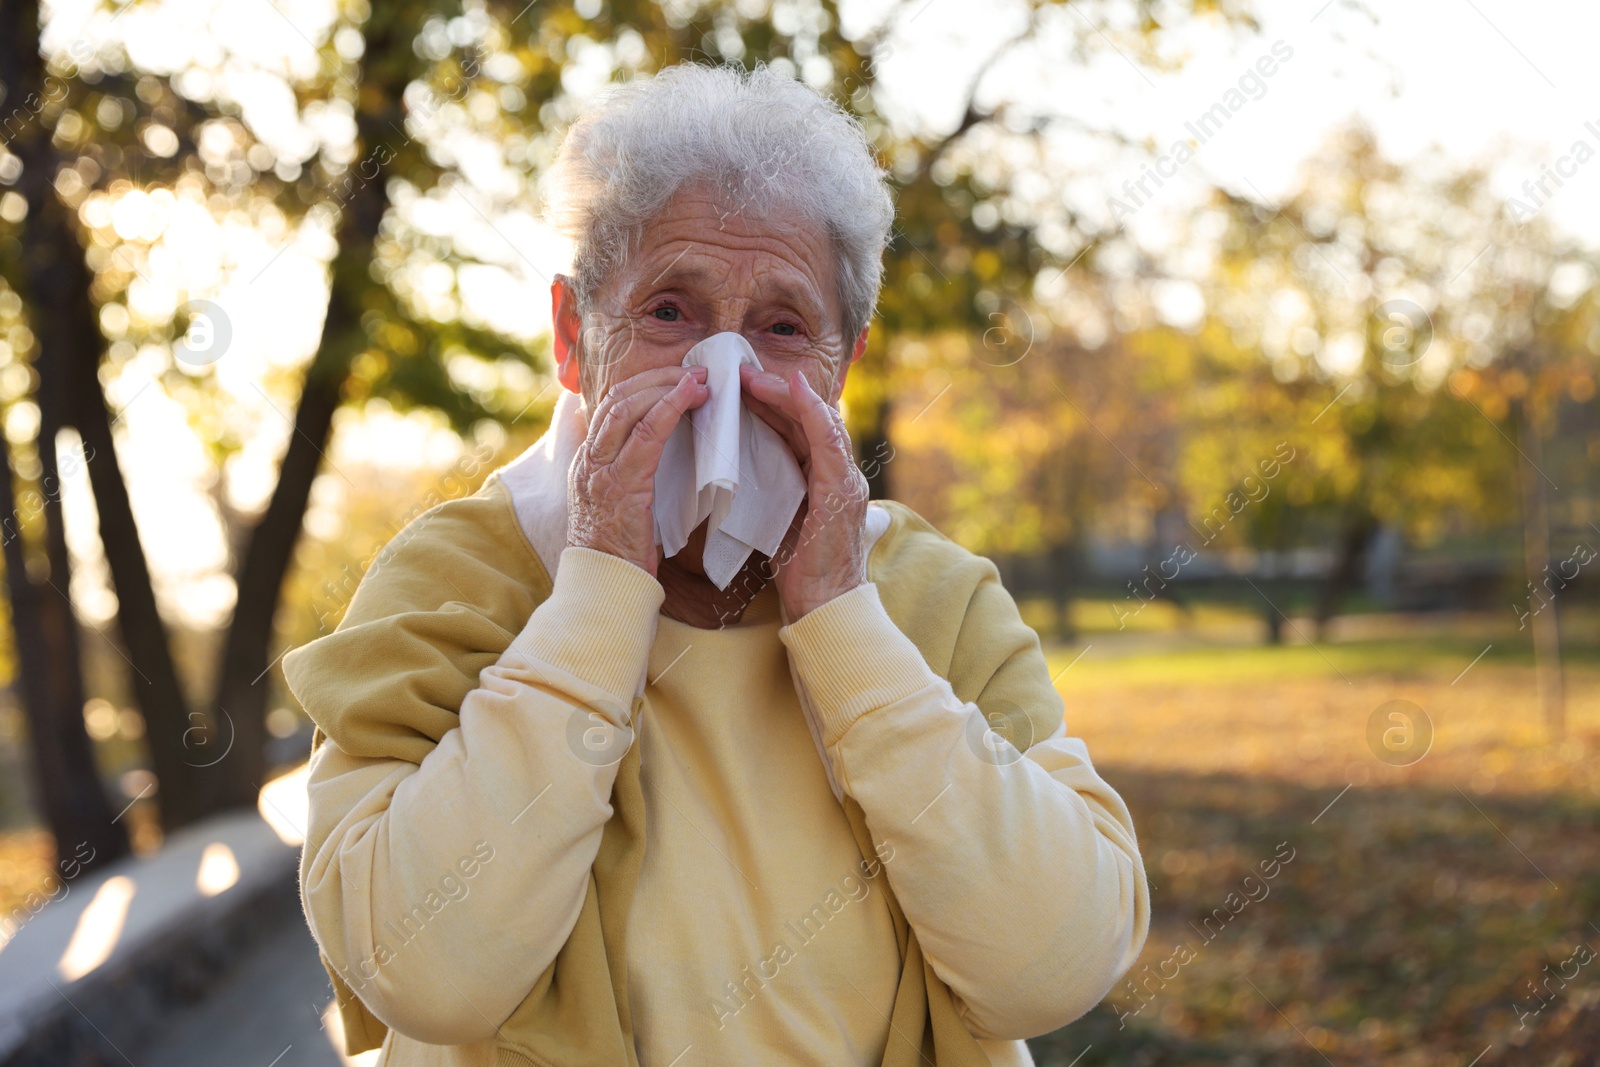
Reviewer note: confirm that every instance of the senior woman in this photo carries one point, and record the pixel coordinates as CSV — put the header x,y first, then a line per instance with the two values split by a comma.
x,y
575,803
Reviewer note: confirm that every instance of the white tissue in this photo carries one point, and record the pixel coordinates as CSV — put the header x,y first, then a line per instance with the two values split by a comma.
x,y
724,463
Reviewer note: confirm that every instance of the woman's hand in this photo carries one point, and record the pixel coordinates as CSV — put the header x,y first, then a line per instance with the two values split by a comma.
x,y
611,485
822,557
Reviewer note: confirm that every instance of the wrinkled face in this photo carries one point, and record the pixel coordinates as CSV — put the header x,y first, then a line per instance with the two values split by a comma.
x,y
703,269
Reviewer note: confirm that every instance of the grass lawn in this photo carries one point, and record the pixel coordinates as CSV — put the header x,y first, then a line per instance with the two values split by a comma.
x,y
1422,904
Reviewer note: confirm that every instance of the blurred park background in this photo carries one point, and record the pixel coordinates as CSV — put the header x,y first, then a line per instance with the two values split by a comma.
x,y
1256,343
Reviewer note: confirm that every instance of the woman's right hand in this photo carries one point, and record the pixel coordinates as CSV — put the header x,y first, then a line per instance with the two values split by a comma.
x,y
611,485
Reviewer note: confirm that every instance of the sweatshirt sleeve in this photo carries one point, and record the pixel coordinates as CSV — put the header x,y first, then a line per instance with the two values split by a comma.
x,y
1019,870
442,891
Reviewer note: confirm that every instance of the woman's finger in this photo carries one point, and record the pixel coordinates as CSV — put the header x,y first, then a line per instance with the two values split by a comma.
x,y
663,376
607,432
824,429
784,426
770,395
641,453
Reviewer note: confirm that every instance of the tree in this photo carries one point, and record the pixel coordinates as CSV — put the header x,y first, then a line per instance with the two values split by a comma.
x,y
71,799
64,315
1414,335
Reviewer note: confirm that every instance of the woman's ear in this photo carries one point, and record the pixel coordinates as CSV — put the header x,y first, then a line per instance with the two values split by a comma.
x,y
565,324
844,371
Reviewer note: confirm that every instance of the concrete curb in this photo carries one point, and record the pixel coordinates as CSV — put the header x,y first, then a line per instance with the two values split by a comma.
x,y
160,939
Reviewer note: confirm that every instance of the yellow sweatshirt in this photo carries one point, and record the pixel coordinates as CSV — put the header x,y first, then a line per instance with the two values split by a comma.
x,y
811,847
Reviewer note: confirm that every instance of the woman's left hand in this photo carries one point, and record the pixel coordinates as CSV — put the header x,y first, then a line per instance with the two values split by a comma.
x,y
822,557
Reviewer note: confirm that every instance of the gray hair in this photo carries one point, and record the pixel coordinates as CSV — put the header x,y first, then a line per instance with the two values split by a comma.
x,y
764,140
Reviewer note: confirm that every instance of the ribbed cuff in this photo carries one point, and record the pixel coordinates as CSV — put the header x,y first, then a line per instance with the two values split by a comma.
x,y
852,658
598,622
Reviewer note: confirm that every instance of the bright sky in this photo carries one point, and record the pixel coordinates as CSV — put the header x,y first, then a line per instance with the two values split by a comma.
x,y
1504,80
1507,81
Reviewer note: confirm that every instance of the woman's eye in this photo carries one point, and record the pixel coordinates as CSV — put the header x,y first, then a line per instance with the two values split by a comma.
x,y
784,329
667,313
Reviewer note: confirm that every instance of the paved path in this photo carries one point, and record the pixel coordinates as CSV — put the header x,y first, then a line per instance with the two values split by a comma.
x,y
270,1007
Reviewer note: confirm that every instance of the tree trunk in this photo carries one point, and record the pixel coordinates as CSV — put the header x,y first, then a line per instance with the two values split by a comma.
x,y
243,686
64,320
1274,625
1062,560
71,800
46,632
203,765
876,451
1270,594
1353,541
176,744
1536,557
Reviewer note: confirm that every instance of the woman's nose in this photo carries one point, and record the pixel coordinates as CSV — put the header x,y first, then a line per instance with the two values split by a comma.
x,y
724,323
